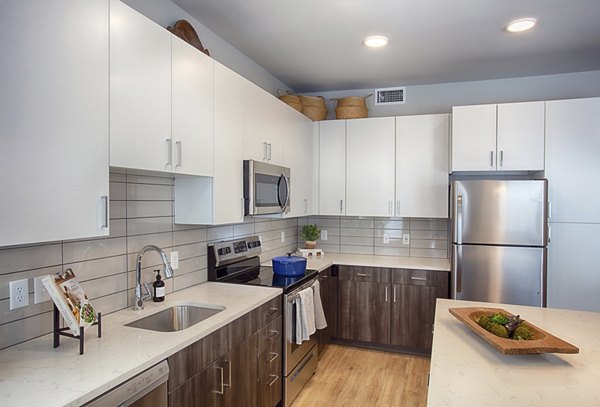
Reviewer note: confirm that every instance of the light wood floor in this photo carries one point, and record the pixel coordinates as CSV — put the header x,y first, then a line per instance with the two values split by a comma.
x,y
349,376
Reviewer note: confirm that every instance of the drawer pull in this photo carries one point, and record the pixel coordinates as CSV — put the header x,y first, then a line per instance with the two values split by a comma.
x,y
273,333
362,275
273,309
418,278
222,391
275,378
275,356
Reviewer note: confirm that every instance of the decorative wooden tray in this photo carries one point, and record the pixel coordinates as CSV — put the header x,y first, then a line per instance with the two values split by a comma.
x,y
543,341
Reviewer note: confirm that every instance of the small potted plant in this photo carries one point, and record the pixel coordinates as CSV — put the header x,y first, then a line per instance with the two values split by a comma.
x,y
310,233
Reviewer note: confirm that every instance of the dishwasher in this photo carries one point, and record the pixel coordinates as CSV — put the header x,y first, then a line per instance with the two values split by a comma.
x,y
148,389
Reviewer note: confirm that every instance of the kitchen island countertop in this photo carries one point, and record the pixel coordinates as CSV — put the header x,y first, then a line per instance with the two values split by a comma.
x,y
35,374
467,371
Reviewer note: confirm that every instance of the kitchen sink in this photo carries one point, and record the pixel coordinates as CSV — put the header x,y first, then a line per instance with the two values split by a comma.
x,y
177,317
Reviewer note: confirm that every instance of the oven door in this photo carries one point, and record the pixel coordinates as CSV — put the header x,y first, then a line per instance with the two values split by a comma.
x,y
266,188
293,353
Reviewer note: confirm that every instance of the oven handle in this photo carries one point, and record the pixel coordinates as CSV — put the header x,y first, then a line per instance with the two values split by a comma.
x,y
294,294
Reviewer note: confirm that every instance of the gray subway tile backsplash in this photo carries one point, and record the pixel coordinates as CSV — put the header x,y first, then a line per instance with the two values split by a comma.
x,y
141,213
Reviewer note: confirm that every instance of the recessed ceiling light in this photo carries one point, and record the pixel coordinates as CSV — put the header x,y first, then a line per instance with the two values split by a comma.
x,y
521,24
375,41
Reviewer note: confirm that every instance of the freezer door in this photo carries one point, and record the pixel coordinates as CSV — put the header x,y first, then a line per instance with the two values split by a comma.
x,y
511,275
499,212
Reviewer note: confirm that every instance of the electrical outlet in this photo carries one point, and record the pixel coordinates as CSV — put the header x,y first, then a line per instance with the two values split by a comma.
x,y
282,236
39,291
323,234
19,293
174,260
386,238
260,239
406,238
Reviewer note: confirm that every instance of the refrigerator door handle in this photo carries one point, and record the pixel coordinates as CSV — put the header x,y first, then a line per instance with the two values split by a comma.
x,y
459,215
457,269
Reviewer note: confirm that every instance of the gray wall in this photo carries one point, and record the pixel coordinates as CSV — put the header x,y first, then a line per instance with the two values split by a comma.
x,y
166,13
439,98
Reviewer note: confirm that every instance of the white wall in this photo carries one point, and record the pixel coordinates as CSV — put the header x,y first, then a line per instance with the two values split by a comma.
x,y
166,13
440,98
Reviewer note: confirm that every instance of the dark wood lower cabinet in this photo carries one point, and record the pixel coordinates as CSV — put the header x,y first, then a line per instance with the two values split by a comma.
x,y
222,369
390,308
270,364
329,298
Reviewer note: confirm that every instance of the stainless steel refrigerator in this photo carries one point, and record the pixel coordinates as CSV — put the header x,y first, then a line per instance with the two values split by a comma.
x,y
499,239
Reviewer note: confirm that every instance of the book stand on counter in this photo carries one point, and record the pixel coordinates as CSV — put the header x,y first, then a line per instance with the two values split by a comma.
x,y
58,331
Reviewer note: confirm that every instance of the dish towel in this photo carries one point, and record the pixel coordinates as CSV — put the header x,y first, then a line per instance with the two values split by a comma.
x,y
320,322
305,315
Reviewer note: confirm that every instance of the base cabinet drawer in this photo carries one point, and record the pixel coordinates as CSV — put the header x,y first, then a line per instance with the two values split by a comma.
x,y
270,364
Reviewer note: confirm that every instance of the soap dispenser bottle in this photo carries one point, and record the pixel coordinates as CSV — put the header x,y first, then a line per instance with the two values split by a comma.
x,y
158,288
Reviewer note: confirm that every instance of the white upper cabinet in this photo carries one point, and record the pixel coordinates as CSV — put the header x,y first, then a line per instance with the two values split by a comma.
x,y
193,110
229,146
332,167
572,159
263,126
162,98
370,170
298,156
140,91
422,166
53,120
474,138
504,137
521,136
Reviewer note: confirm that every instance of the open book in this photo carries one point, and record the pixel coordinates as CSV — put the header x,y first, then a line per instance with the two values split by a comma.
x,y
70,299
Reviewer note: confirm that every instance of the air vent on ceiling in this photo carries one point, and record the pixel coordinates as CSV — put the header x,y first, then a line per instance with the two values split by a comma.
x,y
390,96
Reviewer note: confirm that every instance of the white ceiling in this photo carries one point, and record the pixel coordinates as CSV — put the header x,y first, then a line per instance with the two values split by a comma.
x,y
316,45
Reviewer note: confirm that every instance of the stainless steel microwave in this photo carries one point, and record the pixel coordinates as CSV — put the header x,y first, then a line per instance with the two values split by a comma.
x,y
266,188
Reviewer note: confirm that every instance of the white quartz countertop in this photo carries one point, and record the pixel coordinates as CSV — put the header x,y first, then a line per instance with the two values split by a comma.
x,y
35,374
467,371
328,259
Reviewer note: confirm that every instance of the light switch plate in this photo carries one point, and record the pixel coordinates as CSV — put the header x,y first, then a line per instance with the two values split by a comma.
x,y
19,293
282,236
39,291
406,238
386,238
174,260
323,234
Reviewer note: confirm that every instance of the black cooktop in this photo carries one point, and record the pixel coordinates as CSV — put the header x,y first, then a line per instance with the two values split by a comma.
x,y
267,278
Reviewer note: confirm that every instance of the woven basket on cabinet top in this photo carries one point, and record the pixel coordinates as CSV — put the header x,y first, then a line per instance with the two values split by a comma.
x,y
313,101
314,113
355,101
351,112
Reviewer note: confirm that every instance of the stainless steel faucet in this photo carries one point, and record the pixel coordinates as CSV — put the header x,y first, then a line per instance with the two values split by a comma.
x,y
138,303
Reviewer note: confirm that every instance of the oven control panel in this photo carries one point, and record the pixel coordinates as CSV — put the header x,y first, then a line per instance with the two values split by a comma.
x,y
238,249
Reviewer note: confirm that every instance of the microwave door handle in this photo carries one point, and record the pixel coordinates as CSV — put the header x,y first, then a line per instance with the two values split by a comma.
x,y
283,205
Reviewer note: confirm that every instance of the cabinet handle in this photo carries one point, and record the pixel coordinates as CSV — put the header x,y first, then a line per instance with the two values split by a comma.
x,y
169,154
274,310
274,333
222,391
549,209
228,373
362,275
398,207
386,293
418,278
305,205
275,356
265,150
491,158
341,206
394,294
323,277
390,210
501,157
178,148
105,211
274,380
269,151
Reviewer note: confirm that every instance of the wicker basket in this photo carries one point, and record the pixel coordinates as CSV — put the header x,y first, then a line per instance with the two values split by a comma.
x,y
351,112
296,106
290,99
313,101
355,101
314,113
